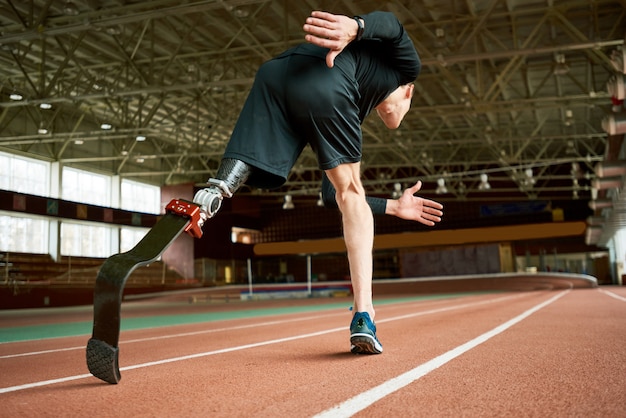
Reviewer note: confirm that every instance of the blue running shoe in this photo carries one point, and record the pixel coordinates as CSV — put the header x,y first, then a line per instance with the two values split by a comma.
x,y
363,335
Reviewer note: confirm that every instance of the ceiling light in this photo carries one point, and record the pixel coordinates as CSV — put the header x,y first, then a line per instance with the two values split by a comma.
x,y
606,183
560,67
16,97
397,191
462,189
79,142
618,59
616,86
114,30
528,179
615,123
441,186
140,160
288,202
484,182
600,204
70,9
45,106
42,130
610,168
106,126
140,138
320,200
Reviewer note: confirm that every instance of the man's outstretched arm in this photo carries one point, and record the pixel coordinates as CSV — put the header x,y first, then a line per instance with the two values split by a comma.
x,y
408,206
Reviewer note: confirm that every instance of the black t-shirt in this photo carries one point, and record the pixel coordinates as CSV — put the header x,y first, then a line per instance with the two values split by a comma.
x,y
297,100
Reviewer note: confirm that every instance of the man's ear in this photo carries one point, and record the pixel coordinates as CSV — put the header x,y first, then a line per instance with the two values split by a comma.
x,y
409,91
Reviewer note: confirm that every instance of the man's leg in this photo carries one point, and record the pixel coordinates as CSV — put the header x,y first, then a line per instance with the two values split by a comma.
x,y
358,232
231,174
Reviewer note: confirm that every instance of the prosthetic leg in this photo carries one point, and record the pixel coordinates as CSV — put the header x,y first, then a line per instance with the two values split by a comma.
x,y
102,348
230,176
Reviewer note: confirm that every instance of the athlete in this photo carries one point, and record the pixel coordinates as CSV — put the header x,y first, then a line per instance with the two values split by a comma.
x,y
319,93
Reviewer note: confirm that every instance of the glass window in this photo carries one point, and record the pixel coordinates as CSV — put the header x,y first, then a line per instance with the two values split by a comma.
x,y
140,197
129,237
19,232
24,175
86,187
82,240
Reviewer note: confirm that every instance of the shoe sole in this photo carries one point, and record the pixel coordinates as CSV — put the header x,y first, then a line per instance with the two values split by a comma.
x,y
365,344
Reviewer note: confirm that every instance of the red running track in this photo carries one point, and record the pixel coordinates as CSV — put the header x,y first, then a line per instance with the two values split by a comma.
x,y
558,353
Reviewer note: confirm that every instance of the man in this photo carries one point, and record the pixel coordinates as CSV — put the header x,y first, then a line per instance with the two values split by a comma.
x,y
319,93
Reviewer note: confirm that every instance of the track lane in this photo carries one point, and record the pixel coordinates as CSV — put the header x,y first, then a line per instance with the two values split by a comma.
x,y
297,377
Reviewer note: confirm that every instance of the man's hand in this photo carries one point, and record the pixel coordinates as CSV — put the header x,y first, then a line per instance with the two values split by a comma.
x,y
330,31
415,208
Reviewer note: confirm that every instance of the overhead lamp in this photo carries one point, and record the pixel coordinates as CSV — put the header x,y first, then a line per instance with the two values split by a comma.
x,y
288,202
600,204
140,160
605,183
615,123
113,30
106,126
70,9
616,86
140,138
320,201
528,180
440,41
569,118
16,97
618,59
441,186
42,130
462,189
610,168
79,142
45,106
571,148
397,191
484,182
560,67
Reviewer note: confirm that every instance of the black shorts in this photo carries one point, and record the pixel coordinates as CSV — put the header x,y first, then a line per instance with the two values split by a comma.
x,y
296,100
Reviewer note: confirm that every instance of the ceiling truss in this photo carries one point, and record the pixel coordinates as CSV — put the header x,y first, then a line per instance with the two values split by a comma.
x,y
506,86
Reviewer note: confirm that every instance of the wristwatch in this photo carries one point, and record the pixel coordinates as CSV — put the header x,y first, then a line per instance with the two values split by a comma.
x,y
359,33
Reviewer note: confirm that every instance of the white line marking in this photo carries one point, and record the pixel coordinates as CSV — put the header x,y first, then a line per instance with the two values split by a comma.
x,y
246,346
163,337
613,295
369,397
209,331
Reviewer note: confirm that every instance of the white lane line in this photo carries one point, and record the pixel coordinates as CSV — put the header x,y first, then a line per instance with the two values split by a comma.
x,y
613,295
369,397
246,346
268,323
163,337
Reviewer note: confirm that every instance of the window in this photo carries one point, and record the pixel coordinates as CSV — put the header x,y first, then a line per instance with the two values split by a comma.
x,y
24,175
85,187
82,240
129,237
140,197
26,235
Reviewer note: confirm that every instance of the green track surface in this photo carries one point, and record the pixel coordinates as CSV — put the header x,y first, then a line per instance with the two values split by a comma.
x,y
73,329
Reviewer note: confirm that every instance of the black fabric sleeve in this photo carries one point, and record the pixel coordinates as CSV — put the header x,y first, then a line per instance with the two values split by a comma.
x,y
386,27
377,204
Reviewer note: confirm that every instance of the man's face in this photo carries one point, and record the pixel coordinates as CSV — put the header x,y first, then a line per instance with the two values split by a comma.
x,y
395,106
